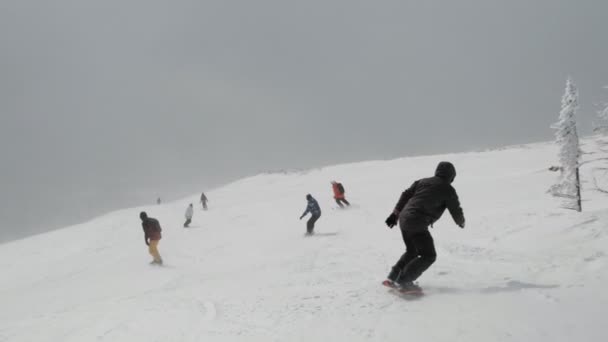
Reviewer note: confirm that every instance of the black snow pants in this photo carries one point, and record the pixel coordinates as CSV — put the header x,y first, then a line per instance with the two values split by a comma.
x,y
187,222
310,225
342,200
418,257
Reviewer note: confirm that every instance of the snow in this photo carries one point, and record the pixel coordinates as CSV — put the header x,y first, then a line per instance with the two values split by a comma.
x,y
523,269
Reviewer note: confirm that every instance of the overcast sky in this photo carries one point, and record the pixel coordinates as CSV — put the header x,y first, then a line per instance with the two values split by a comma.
x,y
109,104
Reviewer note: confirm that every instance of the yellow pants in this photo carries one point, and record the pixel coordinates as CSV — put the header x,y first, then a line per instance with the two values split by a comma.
x,y
153,250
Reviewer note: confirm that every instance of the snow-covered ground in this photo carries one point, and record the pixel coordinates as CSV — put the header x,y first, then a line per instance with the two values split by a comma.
x,y
522,270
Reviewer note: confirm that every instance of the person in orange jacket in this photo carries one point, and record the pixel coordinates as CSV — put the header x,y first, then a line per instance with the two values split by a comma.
x,y
339,194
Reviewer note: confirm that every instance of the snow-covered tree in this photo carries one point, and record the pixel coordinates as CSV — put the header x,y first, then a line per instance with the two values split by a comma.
x,y
568,184
602,114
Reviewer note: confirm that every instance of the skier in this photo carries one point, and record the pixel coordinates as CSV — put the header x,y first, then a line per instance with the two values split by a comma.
x,y
339,194
315,212
204,201
158,200
189,214
418,207
152,236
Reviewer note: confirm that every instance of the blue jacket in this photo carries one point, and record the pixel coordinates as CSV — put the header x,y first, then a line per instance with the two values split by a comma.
x,y
312,207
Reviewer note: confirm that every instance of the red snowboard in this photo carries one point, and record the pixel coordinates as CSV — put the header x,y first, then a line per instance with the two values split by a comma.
x,y
395,287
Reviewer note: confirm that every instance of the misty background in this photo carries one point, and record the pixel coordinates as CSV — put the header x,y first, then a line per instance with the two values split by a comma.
x,y
110,104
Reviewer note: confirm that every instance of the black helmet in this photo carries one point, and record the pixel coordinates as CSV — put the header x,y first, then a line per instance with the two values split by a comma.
x,y
309,197
143,215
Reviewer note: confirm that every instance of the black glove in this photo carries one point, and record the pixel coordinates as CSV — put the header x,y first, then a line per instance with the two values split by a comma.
x,y
391,221
461,225
301,217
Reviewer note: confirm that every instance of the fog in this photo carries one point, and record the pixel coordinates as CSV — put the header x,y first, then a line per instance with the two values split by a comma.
x,y
110,104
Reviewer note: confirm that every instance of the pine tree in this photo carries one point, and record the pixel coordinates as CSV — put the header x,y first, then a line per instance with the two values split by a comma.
x,y
568,184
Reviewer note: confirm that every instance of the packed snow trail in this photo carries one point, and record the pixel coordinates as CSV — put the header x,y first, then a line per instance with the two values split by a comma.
x,y
522,269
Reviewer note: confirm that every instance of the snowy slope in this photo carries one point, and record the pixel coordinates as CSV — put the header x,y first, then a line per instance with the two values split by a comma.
x,y
522,270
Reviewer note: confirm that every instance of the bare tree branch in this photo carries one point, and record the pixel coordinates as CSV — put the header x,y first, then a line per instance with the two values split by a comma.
x,y
597,187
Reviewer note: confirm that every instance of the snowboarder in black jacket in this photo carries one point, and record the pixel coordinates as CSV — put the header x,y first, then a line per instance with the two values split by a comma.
x,y
417,209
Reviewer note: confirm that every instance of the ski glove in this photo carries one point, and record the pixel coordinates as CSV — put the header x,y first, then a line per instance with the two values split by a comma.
x,y
391,221
461,225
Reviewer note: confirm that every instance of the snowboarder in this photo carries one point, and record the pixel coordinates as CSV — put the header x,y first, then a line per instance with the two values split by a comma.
x,y
418,207
151,236
189,214
204,201
339,194
315,212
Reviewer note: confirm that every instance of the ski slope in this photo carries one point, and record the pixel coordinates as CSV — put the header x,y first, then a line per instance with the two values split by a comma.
x,y
522,270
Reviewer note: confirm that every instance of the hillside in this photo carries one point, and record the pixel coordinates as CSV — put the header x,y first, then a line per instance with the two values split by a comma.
x,y
522,270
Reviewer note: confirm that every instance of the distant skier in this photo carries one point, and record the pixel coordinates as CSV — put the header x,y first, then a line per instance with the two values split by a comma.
x,y
204,201
315,211
152,236
339,194
158,200
189,214
418,207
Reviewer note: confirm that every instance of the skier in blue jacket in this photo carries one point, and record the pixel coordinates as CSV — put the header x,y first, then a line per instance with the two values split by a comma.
x,y
315,211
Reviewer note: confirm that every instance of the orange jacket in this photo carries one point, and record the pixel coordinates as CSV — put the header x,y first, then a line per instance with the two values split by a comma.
x,y
337,193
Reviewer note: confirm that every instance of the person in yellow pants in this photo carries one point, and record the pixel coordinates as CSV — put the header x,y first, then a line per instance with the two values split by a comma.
x,y
153,250
152,236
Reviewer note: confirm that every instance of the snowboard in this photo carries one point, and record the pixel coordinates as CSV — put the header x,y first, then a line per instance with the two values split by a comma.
x,y
346,207
411,293
307,235
163,265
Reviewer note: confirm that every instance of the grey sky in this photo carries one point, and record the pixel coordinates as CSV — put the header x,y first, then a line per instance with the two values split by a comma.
x,y
107,104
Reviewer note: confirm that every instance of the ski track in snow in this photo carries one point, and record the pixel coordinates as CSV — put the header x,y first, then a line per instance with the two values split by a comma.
x,y
522,269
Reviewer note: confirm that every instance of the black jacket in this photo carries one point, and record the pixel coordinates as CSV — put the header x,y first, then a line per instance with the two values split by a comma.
x,y
151,228
426,200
